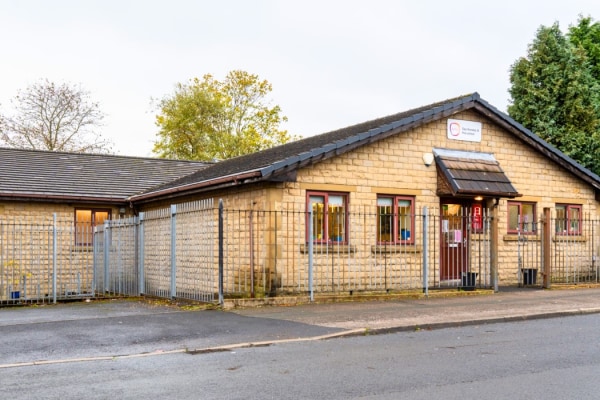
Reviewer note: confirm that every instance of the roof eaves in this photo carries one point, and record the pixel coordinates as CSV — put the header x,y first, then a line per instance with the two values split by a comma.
x,y
62,197
233,178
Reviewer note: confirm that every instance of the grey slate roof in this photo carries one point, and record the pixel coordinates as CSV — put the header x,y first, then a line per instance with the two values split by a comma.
x,y
30,174
34,174
285,159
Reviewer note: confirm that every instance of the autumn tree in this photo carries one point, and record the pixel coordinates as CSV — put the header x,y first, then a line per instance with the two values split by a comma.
x,y
554,94
207,119
54,117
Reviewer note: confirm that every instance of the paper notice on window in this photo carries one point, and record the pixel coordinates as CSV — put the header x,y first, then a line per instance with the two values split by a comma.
x,y
458,235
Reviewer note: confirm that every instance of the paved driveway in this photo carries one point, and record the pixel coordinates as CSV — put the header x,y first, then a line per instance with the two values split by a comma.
x,y
118,328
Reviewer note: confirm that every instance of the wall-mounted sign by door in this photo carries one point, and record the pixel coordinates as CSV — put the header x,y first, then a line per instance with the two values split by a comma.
x,y
476,218
469,131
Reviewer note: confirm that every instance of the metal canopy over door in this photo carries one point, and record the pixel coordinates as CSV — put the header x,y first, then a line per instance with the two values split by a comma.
x,y
454,240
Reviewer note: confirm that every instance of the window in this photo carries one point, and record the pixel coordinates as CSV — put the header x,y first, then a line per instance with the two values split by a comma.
x,y
395,219
329,221
85,221
521,218
568,219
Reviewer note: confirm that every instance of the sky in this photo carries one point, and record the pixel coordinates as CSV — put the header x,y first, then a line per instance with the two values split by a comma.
x,y
331,63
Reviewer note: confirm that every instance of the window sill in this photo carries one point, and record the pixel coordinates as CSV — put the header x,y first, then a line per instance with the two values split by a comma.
x,y
569,238
81,248
513,237
325,248
536,238
395,248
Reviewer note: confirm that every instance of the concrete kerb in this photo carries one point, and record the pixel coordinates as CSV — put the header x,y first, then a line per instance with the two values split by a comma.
x,y
401,328
289,301
485,321
87,359
347,333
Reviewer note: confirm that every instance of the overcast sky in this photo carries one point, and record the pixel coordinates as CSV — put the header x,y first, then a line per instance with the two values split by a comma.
x,y
331,63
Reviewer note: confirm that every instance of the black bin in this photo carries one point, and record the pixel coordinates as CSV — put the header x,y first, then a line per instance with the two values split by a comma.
x,y
468,280
529,276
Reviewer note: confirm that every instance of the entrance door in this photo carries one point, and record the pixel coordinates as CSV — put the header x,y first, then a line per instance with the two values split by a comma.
x,y
454,240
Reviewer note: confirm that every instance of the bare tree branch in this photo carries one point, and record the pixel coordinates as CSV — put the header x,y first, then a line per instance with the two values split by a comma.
x,y
56,118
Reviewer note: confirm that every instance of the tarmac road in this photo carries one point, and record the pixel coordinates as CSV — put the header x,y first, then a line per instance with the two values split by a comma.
x,y
73,332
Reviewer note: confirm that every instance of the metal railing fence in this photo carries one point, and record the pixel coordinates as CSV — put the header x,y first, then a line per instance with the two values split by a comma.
x,y
183,252
282,258
573,255
42,260
574,252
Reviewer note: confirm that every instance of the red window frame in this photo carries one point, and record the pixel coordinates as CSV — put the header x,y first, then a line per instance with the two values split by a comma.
x,y
398,234
323,231
527,227
569,224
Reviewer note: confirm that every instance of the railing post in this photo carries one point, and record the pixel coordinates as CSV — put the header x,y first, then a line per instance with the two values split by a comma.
x,y
251,245
221,288
54,257
310,255
493,226
173,250
425,251
106,256
141,261
546,247
95,267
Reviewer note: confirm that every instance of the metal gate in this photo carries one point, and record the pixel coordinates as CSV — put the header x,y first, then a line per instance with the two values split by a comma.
x,y
166,252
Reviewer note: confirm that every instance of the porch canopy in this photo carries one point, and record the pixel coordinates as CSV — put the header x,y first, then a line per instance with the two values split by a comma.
x,y
469,173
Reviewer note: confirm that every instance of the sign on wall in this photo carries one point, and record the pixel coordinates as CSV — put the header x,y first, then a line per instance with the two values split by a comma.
x,y
469,131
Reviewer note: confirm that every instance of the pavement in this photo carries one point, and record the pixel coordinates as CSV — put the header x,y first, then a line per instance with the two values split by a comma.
x,y
440,310
110,329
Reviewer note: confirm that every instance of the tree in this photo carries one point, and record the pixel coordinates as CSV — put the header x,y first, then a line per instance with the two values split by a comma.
x,y
208,119
586,34
555,95
54,117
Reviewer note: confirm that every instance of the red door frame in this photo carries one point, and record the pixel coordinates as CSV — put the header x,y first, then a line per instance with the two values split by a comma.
x,y
454,237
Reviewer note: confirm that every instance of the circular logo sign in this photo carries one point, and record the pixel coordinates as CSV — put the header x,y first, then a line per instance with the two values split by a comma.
x,y
454,128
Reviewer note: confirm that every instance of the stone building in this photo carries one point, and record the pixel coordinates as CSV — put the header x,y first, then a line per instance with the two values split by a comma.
x,y
483,179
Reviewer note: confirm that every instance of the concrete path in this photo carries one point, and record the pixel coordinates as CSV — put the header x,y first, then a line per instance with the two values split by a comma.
x,y
507,305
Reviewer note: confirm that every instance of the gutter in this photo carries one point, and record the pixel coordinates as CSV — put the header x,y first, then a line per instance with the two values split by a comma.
x,y
235,179
60,198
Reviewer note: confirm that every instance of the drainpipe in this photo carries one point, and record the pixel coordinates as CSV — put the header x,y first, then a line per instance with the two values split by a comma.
x,y
546,247
425,251
251,257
